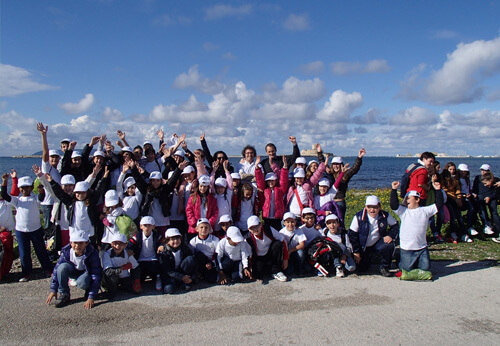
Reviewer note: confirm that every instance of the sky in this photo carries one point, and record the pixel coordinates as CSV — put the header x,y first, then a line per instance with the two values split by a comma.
x,y
394,77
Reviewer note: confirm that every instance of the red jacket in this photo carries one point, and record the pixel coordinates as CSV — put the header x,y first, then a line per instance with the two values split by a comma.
x,y
419,176
193,211
279,193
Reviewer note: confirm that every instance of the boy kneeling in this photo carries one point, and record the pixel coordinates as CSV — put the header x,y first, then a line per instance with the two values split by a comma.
x,y
80,261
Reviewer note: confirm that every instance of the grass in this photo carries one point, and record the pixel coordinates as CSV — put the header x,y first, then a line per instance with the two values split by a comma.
x,y
483,249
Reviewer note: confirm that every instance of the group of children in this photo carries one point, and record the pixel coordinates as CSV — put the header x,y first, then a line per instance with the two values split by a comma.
x,y
122,218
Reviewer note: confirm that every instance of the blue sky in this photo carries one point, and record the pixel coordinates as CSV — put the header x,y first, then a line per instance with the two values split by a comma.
x,y
394,77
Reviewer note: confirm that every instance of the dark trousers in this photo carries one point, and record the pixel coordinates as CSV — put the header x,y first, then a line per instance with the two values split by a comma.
x,y
270,263
383,249
149,268
113,282
24,240
231,268
209,275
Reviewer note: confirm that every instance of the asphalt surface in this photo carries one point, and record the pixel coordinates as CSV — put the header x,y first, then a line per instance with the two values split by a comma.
x,y
462,306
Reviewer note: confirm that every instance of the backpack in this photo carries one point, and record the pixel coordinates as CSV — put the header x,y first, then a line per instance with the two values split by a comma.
x,y
126,225
321,252
405,179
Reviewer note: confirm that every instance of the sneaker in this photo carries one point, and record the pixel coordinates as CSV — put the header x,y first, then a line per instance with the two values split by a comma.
x,y
488,230
25,278
472,231
439,239
466,239
340,272
454,238
496,240
280,277
320,274
136,286
72,282
384,272
62,300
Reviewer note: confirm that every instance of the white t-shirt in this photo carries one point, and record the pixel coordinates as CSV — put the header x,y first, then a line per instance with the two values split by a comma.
x,y
240,252
414,226
148,250
245,167
246,212
118,261
206,246
264,243
374,234
293,238
78,261
310,233
157,214
6,219
223,205
56,176
81,219
27,213
294,204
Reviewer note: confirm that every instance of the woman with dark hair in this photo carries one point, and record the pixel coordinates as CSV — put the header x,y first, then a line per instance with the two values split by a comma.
x,y
219,156
246,166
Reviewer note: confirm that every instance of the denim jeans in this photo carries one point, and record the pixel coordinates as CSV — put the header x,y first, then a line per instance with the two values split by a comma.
x,y
296,262
46,211
65,271
35,237
188,266
231,268
413,259
385,250
492,206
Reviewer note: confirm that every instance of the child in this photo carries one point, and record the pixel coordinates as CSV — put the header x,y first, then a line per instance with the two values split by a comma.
x,y
113,209
245,207
373,230
80,261
269,250
324,202
144,246
296,243
309,227
177,264
233,254
273,206
334,232
28,226
488,200
120,269
203,247
7,225
201,204
223,189
129,193
225,222
412,235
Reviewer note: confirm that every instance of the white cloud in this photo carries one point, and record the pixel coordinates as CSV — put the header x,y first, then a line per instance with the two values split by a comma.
x,y
340,106
220,11
194,80
297,91
312,67
112,115
297,22
414,116
17,81
460,78
81,107
354,67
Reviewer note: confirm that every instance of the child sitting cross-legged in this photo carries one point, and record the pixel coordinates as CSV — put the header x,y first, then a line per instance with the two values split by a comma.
x,y
80,261
296,243
233,254
177,264
333,232
203,247
120,269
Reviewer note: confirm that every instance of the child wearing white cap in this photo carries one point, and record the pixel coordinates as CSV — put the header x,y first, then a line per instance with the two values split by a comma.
x,y
177,264
79,260
201,204
112,209
274,190
127,190
480,191
300,194
334,232
120,270
414,253
296,243
223,193
309,227
269,250
28,226
233,254
144,247
373,230
203,247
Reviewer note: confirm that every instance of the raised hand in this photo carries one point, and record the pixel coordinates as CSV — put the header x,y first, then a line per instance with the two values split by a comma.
x,y
257,160
362,153
13,173
94,141
202,136
42,129
120,134
226,165
34,168
292,139
102,139
395,185
183,164
285,162
318,148
160,134
97,168
72,145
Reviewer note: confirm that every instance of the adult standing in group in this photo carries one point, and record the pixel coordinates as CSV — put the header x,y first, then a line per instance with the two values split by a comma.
x,y
246,166
335,170
419,178
271,152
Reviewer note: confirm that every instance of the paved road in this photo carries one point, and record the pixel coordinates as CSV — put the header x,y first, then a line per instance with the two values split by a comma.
x,y
461,307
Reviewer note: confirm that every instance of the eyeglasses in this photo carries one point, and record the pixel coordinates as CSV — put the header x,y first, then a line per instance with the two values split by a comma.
x,y
220,158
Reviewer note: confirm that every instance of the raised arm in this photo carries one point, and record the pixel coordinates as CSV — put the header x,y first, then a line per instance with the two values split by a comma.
x,y
204,146
394,195
45,145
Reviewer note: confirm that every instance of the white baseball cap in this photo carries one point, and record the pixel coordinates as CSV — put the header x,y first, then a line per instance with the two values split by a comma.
x,y
485,167
204,180
99,153
188,169
180,152
299,173
129,182
147,220
463,167
372,200
225,218
253,221
24,181
331,217
324,182
75,154
82,186
308,210
112,199
271,176
65,140
78,236
155,175
236,176
68,179
54,153
172,232
289,215
234,234
337,159
119,237
301,160
128,149
220,182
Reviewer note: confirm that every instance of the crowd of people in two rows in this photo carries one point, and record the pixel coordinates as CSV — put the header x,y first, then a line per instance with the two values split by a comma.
x,y
115,218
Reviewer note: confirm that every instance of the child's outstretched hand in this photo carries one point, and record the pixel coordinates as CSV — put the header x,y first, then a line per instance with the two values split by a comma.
x,y
35,169
345,168
160,249
183,164
285,163
362,153
248,273
222,278
89,304
395,185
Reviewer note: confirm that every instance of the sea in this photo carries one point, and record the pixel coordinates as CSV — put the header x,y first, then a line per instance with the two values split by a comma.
x,y
375,172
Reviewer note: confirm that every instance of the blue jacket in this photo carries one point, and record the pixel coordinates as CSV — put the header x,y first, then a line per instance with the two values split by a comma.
x,y
358,239
92,267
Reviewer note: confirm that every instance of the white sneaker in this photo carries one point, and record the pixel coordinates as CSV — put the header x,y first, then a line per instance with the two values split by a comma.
x,y
72,282
280,277
472,231
496,240
488,230
340,272
466,239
